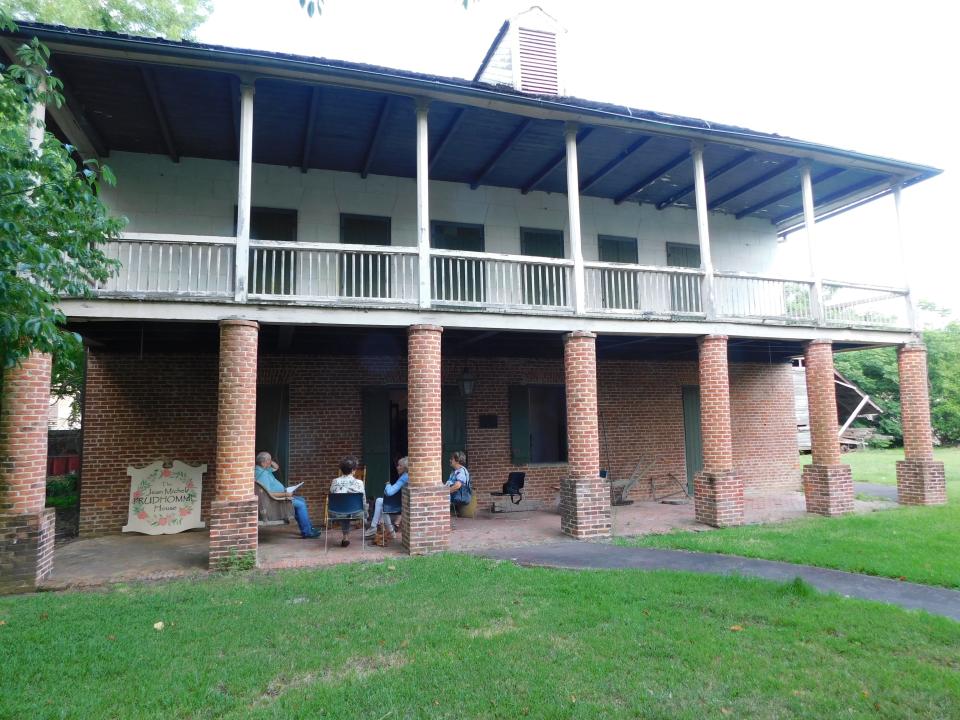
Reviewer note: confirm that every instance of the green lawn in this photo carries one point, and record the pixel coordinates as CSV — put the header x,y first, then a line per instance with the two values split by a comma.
x,y
916,544
458,637
880,466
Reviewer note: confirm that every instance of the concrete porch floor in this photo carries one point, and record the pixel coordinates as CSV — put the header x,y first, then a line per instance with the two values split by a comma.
x,y
122,558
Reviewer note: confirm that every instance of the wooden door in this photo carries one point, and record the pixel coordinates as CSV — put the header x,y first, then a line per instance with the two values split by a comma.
x,y
684,289
375,422
273,427
692,439
453,431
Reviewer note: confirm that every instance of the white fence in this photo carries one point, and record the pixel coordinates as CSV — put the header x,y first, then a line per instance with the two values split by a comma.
x,y
635,289
500,282
754,296
170,266
332,273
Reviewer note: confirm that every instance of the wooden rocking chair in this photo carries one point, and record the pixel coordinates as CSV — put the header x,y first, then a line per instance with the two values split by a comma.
x,y
272,509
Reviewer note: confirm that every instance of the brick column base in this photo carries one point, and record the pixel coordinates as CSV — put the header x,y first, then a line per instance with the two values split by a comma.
x,y
426,519
718,498
233,529
921,482
585,508
26,550
828,489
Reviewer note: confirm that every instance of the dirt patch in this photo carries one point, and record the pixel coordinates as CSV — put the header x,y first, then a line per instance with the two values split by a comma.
x,y
354,668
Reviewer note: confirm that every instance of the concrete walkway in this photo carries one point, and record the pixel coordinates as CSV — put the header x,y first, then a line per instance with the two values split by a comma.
x,y
601,556
887,492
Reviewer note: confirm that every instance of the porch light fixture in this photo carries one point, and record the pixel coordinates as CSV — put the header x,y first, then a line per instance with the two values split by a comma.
x,y
466,382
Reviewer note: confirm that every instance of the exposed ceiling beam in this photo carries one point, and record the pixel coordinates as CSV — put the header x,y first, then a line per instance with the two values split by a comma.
x,y
309,129
69,117
652,177
501,151
827,199
451,129
72,119
686,190
554,163
613,164
766,202
478,337
375,139
149,81
756,182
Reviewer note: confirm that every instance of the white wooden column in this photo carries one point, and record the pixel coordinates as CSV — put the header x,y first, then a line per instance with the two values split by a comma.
x,y
242,249
809,224
912,317
38,114
573,210
423,203
709,298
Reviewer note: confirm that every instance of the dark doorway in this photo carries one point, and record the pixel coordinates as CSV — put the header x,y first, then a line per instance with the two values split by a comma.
x,y
385,432
273,426
692,439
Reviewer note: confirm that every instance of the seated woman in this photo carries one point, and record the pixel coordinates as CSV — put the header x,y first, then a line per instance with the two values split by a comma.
x,y
347,483
458,484
263,474
390,490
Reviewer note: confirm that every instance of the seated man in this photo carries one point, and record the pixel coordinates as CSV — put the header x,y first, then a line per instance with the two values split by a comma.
x,y
390,490
347,483
263,474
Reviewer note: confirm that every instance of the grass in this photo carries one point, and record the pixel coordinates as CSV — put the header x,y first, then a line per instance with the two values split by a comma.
x,y
458,637
915,544
880,466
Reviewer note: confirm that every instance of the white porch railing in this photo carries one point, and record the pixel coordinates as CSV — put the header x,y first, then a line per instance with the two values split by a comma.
x,y
167,266
636,289
739,295
332,273
500,282
865,305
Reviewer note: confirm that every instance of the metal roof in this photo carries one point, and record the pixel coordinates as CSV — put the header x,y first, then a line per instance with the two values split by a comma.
x,y
182,99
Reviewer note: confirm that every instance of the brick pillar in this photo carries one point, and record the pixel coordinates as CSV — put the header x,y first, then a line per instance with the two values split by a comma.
x,y
827,483
584,496
26,526
717,489
920,478
233,512
426,502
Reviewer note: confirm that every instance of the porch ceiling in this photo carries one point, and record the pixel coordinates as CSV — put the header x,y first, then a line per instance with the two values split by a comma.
x,y
150,338
160,107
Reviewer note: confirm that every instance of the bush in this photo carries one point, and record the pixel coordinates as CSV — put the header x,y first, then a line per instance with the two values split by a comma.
x,y
63,490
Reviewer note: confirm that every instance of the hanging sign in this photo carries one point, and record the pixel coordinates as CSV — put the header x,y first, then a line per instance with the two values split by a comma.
x,y
164,500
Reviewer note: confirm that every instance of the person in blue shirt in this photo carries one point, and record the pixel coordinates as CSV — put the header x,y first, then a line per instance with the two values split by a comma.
x,y
458,484
263,475
391,491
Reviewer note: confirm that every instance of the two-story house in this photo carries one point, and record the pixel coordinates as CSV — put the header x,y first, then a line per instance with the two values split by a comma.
x,y
325,258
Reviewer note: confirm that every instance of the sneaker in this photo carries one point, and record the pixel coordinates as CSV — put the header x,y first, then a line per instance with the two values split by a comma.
x,y
311,534
344,542
369,533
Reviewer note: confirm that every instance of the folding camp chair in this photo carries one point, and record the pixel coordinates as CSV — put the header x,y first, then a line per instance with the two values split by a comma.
x,y
513,487
343,506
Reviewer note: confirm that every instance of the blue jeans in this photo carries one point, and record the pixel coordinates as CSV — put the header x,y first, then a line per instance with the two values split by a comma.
x,y
300,512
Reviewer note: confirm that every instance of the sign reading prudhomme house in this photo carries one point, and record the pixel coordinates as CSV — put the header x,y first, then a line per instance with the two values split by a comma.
x,y
164,500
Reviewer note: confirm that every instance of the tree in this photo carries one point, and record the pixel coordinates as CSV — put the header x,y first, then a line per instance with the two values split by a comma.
x,y
51,221
172,19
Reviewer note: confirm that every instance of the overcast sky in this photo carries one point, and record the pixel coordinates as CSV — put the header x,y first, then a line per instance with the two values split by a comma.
x,y
877,77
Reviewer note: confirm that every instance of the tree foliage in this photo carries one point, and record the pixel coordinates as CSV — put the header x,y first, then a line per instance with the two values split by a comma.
x,y
172,19
51,221
875,371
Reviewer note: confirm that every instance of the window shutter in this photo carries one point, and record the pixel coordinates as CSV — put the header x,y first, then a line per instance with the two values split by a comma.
x,y
519,425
